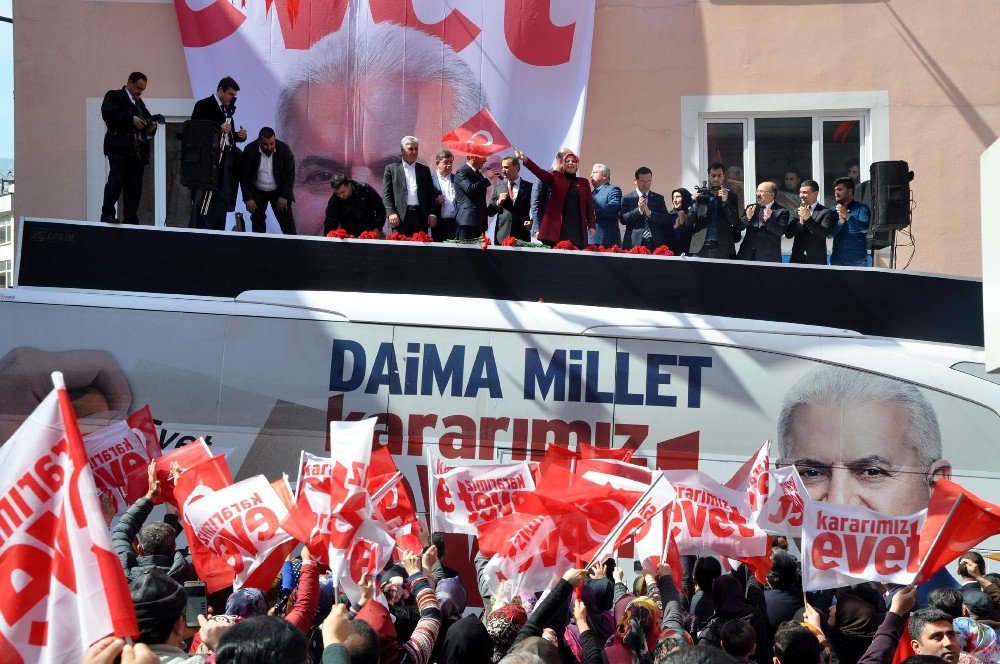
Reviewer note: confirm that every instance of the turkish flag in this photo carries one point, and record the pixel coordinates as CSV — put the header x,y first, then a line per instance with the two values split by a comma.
x,y
480,136
143,425
392,500
187,456
194,484
956,521
588,451
752,479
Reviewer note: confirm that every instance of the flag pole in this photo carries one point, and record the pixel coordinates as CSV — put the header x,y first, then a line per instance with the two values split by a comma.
x,y
951,513
624,520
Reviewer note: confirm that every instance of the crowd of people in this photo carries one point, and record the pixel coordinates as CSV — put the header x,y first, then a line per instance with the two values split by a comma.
x,y
449,202
418,611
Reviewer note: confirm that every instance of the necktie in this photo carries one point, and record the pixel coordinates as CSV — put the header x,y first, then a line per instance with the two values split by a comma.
x,y
510,189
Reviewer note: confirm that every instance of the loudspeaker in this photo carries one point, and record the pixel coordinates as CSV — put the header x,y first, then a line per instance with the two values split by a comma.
x,y
200,151
890,185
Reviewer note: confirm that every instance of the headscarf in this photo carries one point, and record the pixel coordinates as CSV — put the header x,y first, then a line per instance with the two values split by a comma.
x,y
686,199
468,641
727,597
503,625
246,602
452,598
978,639
671,639
639,627
855,616
826,656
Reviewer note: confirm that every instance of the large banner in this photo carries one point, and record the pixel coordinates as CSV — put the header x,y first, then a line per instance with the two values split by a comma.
x,y
342,81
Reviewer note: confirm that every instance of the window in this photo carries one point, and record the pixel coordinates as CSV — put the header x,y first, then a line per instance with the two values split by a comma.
x,y
6,273
6,231
784,138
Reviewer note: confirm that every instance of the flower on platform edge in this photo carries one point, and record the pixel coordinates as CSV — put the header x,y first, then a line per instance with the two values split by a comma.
x,y
486,241
566,245
340,234
511,241
663,251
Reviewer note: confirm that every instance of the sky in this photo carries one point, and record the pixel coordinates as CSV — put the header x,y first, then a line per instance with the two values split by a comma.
x,y
6,83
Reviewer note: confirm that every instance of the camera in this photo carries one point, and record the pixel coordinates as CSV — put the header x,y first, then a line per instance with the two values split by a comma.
x,y
703,193
150,125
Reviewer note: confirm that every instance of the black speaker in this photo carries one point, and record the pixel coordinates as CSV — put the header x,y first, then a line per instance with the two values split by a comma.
x,y
890,188
200,150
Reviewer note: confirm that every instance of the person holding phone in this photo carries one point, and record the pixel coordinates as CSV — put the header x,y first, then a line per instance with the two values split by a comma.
x,y
472,182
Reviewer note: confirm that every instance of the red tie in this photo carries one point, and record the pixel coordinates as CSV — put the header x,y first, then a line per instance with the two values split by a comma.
x,y
510,189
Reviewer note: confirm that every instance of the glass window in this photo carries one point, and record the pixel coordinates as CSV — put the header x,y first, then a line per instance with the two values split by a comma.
x,y
841,152
725,144
783,155
6,274
178,196
6,231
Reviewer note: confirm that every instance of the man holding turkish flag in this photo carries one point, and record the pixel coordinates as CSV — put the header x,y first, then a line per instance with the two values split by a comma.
x,y
61,586
477,138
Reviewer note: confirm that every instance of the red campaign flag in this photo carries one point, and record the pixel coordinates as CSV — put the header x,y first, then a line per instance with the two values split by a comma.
x,y
588,451
195,483
480,135
144,427
61,585
309,516
753,480
392,500
114,452
186,456
956,521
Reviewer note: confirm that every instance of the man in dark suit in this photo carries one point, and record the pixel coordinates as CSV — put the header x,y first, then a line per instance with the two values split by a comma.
x,y
268,174
408,191
126,145
809,226
220,108
765,224
470,197
607,206
644,214
715,221
354,207
511,203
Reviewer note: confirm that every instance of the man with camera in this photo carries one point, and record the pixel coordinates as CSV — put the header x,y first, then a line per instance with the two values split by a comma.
x,y
714,217
268,174
126,144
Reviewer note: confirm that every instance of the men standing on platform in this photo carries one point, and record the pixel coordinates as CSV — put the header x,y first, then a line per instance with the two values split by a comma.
x,y
809,226
850,233
126,145
511,203
444,181
470,197
268,176
220,108
354,206
714,218
607,205
644,213
765,224
408,191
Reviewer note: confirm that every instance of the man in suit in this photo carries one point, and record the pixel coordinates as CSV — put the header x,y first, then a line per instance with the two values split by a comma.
x,y
408,191
607,206
511,203
765,223
809,226
714,218
220,109
268,174
354,207
444,182
470,197
126,145
644,214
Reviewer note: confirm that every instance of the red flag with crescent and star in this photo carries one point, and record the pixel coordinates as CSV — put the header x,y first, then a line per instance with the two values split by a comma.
x,y
480,136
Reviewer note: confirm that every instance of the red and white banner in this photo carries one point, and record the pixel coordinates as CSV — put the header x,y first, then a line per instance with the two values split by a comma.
x,y
186,456
709,519
370,552
753,480
463,498
61,585
783,510
392,501
957,520
194,483
342,82
241,524
655,498
144,427
114,453
845,544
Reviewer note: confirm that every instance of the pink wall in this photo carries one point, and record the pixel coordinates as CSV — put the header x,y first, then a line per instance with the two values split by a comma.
x,y
937,59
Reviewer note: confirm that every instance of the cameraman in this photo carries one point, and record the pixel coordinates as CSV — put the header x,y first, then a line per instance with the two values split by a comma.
x,y
714,217
126,144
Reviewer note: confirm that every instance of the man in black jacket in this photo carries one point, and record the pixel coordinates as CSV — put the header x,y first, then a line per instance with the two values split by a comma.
x,y
220,108
765,223
126,145
408,191
157,541
268,174
354,207
809,226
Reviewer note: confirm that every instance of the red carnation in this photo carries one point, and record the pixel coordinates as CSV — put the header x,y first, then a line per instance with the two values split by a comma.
x,y
485,240
420,236
615,249
340,234
396,237
370,235
594,247
663,250
510,241
566,245
639,250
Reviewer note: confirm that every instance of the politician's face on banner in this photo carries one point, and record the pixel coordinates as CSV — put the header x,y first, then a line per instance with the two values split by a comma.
x,y
862,439
356,95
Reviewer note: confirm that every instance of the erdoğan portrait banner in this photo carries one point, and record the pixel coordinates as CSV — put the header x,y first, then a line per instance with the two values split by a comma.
x,y
408,67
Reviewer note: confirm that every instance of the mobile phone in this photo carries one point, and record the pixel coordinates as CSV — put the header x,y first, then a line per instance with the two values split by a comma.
x,y
637,567
197,602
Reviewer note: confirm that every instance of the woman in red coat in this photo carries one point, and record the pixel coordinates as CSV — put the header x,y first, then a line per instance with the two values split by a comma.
x,y
569,214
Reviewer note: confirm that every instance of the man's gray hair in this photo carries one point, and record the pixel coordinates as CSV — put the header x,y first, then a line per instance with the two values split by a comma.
x,y
605,171
347,58
837,385
408,140
522,658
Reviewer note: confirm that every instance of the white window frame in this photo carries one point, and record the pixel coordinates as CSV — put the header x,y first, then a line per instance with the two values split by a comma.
x,y
872,107
173,110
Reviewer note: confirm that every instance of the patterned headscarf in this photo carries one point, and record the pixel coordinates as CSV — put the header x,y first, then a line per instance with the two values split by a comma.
x,y
978,639
670,640
826,656
451,597
503,625
246,602
639,628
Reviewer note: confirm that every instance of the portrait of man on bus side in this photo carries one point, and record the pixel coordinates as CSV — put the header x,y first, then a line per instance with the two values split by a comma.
x,y
861,439
355,94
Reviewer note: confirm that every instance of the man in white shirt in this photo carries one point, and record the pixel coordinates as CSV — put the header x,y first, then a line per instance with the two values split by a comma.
x,y
268,177
444,180
511,203
809,226
408,191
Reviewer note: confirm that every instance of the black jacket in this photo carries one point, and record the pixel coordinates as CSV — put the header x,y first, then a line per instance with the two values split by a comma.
x,y
809,245
511,214
178,566
470,197
363,211
283,165
763,242
636,224
394,190
122,138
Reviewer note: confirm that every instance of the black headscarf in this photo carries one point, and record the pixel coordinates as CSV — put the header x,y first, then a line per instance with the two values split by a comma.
x,y
686,199
468,641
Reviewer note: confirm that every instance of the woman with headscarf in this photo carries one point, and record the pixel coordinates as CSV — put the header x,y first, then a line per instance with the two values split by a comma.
x,y
452,600
601,623
784,591
467,641
569,213
503,625
853,622
734,602
637,631
678,227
